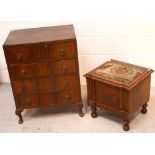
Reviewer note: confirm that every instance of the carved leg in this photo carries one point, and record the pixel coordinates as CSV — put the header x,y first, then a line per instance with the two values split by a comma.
x,y
126,125
18,113
144,110
93,114
81,114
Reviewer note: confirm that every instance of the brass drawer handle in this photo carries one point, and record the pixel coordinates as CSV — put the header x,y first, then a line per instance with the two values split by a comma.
x,y
19,56
23,73
64,69
29,102
61,53
65,83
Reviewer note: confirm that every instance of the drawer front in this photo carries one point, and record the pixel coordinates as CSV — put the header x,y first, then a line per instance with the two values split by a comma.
x,y
18,54
67,82
62,50
108,95
34,101
30,70
27,101
69,97
24,86
64,67
21,71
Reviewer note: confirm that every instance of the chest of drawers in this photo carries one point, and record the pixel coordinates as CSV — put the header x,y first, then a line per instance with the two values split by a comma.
x,y
43,67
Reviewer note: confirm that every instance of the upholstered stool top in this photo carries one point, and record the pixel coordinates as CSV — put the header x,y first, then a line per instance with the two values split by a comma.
x,y
119,72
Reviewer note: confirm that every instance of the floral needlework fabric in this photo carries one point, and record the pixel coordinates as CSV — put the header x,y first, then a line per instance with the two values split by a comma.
x,y
119,71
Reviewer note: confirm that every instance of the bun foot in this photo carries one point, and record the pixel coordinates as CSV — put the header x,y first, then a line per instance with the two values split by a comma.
x,y
144,110
126,126
94,115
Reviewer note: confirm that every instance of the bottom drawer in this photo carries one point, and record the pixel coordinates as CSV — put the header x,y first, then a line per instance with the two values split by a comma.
x,y
35,101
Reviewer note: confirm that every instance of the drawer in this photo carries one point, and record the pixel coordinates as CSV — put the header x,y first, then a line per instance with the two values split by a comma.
x,y
108,95
69,97
27,101
18,54
24,86
62,50
63,67
21,71
30,70
67,82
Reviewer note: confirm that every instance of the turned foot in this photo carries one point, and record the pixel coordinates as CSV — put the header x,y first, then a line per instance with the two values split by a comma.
x,y
81,114
93,114
18,113
144,110
126,126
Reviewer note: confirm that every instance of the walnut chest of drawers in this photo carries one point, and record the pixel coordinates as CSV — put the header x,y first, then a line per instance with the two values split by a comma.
x,y
120,88
43,67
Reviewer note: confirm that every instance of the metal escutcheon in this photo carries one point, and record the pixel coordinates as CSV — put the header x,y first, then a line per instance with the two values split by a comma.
x,y
19,56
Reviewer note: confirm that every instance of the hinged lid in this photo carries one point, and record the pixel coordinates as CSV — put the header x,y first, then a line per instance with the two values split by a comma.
x,y
119,73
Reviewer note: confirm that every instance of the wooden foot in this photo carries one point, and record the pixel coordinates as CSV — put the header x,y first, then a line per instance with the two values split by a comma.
x,y
18,113
126,126
81,114
93,114
144,110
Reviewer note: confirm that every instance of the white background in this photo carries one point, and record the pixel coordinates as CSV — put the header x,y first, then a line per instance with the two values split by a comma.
x,y
82,10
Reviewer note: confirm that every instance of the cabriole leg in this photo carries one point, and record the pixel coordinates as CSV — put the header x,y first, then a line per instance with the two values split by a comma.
x,y
81,114
18,113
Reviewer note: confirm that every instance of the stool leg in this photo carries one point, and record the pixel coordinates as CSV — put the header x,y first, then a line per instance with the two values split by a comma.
x,y
94,113
18,113
126,126
144,110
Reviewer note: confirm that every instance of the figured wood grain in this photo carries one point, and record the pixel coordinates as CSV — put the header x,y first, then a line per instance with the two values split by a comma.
x,y
43,67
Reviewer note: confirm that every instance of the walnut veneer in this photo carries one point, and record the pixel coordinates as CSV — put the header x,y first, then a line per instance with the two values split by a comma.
x,y
43,67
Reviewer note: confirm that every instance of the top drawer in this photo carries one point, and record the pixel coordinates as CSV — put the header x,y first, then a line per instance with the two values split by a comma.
x,y
40,52
18,54
63,50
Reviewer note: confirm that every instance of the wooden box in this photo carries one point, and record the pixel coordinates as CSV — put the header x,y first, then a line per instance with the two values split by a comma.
x,y
43,67
119,87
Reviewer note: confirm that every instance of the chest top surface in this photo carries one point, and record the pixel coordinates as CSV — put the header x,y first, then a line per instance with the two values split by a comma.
x,y
119,72
39,35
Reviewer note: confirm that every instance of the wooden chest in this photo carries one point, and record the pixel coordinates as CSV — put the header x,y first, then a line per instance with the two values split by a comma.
x,y
43,67
119,87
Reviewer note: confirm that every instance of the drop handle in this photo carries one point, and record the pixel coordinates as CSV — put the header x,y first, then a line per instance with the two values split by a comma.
x,y
29,102
61,53
64,69
65,83
19,56
23,73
